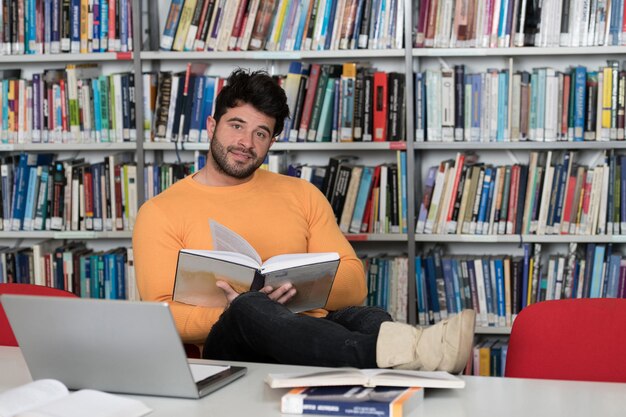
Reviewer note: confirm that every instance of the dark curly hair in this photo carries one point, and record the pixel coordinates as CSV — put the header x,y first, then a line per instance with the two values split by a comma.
x,y
258,89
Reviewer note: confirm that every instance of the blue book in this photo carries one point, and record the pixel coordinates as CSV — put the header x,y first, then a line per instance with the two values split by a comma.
x,y
123,25
110,277
31,195
596,275
457,282
612,287
120,266
525,274
500,294
420,287
97,114
561,191
431,290
448,276
85,276
477,93
47,29
55,31
353,401
301,27
207,106
104,25
489,291
195,124
22,175
361,199
484,200
75,26
331,25
502,132
171,24
325,123
95,43
31,27
324,29
97,171
580,81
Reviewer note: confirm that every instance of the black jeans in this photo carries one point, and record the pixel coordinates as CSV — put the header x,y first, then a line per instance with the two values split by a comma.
x,y
257,329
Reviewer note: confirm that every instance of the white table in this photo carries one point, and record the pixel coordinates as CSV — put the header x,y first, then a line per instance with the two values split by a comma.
x,y
482,396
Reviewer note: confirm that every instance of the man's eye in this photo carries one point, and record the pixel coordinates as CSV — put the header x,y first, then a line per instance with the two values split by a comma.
x,y
261,135
236,126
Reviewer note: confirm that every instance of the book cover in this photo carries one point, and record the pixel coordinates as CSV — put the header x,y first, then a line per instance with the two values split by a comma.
x,y
233,260
352,401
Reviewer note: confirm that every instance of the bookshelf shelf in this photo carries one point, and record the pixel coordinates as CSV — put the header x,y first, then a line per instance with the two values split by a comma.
x,y
520,238
58,147
271,55
522,51
525,146
482,330
287,146
377,237
67,58
66,235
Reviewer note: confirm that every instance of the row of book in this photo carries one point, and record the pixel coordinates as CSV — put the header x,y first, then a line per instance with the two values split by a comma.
x,y
71,105
65,26
387,284
462,196
73,267
41,193
283,25
328,103
507,23
488,358
539,105
498,287
365,199
159,177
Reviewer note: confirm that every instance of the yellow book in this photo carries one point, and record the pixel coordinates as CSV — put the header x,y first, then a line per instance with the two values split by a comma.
x,y
84,26
607,88
183,25
277,28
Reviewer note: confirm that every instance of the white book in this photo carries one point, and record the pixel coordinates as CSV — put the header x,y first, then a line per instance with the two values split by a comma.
x,y
433,99
435,199
51,398
560,271
552,99
594,204
382,206
551,279
440,226
447,104
234,261
482,317
545,195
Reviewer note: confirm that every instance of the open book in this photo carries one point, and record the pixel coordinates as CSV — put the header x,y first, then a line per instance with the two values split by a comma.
x,y
366,378
235,261
50,398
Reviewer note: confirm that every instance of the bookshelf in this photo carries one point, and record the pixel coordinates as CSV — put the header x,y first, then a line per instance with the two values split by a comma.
x,y
408,60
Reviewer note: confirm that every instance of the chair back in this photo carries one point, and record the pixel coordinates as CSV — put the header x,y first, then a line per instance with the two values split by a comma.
x,y
580,340
7,338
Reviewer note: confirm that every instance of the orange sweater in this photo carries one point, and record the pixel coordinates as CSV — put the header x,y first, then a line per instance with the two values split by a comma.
x,y
275,213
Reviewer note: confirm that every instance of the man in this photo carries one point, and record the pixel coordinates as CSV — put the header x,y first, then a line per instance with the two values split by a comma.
x,y
276,214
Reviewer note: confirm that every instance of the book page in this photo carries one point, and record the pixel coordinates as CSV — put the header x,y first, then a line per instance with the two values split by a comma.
x,y
201,372
33,394
90,403
347,376
291,260
225,239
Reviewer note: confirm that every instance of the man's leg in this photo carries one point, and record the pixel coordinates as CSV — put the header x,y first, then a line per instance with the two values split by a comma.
x,y
255,328
360,319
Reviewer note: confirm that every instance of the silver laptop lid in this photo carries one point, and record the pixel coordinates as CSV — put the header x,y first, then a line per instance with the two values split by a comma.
x,y
110,345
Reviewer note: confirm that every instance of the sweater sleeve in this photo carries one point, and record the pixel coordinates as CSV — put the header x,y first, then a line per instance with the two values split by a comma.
x,y
156,243
349,287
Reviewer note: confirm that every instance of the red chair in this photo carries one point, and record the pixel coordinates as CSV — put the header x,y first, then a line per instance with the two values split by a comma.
x,y
6,334
580,340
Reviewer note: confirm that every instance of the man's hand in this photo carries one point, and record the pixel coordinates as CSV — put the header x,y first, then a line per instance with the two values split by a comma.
x,y
281,294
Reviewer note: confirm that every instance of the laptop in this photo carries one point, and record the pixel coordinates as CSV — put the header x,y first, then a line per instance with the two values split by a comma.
x,y
109,345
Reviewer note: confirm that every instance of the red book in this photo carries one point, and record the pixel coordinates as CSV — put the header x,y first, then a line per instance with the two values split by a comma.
x,y
238,25
460,159
64,107
309,99
565,113
89,198
570,188
380,106
513,195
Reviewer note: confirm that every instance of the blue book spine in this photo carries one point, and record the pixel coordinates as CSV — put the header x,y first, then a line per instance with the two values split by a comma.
x,y
171,24
110,289
502,133
47,30
458,285
324,28
100,276
420,285
431,290
120,267
354,36
207,106
19,195
301,26
484,198
489,291
195,124
490,202
560,197
500,294
477,93
55,44
123,25
596,277
449,283
31,192
97,105
361,199
157,180
612,290
75,26
104,25
580,81
85,289
331,24
30,31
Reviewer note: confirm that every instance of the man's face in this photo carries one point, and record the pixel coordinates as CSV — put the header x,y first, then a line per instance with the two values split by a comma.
x,y
240,141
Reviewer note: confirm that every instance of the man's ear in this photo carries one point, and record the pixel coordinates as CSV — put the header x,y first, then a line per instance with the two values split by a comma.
x,y
210,126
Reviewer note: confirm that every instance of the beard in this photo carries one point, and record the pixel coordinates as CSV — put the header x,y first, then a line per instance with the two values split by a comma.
x,y
219,154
